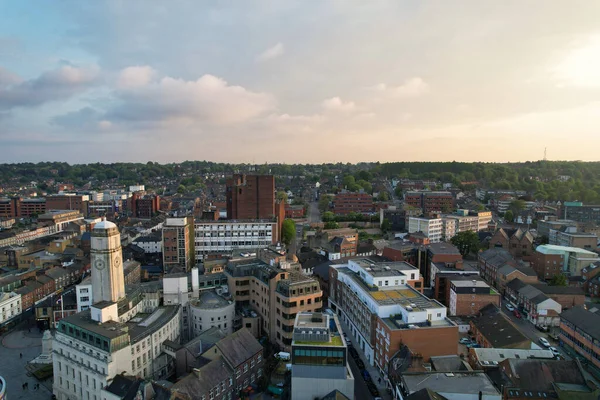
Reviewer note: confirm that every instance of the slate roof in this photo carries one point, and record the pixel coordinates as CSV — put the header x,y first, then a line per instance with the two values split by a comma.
x,y
497,328
516,284
335,395
239,347
124,386
425,394
536,374
202,380
547,289
322,270
585,320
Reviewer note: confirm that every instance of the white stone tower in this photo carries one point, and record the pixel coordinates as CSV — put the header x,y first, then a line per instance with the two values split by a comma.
x,y
108,281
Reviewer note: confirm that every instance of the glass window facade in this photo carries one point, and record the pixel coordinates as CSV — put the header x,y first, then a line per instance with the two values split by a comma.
x,y
318,356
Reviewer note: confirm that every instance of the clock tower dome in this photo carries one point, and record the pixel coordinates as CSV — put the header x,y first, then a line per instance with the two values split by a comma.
x,y
108,281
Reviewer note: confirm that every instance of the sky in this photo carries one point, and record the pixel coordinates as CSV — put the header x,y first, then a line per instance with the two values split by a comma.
x,y
299,81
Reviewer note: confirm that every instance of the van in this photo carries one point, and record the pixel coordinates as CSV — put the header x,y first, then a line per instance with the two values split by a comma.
x,y
282,355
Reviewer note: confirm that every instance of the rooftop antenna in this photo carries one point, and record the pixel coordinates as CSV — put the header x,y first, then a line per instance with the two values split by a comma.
x,y
545,149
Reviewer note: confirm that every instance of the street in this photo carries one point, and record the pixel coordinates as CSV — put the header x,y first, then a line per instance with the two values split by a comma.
x,y
313,215
360,387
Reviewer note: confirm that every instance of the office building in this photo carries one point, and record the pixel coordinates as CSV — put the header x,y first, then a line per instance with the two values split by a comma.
x,y
68,201
319,358
276,295
549,260
250,197
362,291
232,237
348,202
10,307
119,333
430,201
212,310
178,240
579,212
580,331
143,206
430,227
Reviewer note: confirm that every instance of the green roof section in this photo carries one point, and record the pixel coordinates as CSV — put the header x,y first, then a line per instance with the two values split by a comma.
x,y
335,340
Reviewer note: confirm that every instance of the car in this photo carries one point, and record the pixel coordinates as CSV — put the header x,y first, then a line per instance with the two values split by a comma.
x,y
359,364
542,328
517,314
464,340
473,346
554,351
366,375
509,307
544,342
553,337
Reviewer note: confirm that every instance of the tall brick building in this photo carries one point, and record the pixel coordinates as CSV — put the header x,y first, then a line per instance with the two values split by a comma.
x,y
345,203
144,206
251,197
430,201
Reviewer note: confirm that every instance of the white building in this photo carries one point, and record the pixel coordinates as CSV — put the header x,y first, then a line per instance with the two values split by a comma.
x,y
118,334
84,294
211,309
10,306
150,244
448,228
431,227
232,236
357,305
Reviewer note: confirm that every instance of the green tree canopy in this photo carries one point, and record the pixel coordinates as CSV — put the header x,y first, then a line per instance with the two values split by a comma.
x,y
509,216
282,196
467,242
559,280
386,225
331,225
328,216
288,231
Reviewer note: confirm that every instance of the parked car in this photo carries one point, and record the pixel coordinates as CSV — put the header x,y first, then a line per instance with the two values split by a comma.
x,y
544,342
509,307
360,364
553,337
473,346
517,314
554,351
464,340
542,328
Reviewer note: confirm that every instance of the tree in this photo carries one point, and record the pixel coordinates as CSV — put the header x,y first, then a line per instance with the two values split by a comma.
x,y
328,216
288,231
324,202
559,280
517,205
181,189
383,196
331,225
509,216
282,196
467,242
386,225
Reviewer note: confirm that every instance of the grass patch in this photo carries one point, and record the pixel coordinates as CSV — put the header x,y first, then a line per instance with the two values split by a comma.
x,y
335,341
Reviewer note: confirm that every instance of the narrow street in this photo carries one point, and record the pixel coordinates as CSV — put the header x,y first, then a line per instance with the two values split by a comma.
x,y
314,216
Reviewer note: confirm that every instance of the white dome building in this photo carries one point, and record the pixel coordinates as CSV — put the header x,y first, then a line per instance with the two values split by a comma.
x,y
211,309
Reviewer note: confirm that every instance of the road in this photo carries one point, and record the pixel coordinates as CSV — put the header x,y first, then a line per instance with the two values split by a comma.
x,y
360,387
314,216
529,330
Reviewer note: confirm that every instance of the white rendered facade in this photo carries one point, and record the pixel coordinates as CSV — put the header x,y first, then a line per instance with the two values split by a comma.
x,y
10,306
230,236
212,310
431,227
84,294
117,334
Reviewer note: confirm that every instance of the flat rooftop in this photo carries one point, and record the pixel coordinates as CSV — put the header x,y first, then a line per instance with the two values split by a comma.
x,y
494,355
316,329
469,283
450,382
385,268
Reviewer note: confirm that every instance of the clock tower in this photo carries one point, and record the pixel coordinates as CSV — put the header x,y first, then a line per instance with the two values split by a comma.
x,y
108,281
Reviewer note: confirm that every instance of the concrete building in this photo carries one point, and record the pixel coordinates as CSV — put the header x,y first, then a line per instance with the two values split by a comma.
x,y
545,226
274,294
68,201
549,260
84,294
251,197
10,307
468,297
178,244
430,227
232,237
212,310
569,237
579,212
580,331
319,358
118,334
362,291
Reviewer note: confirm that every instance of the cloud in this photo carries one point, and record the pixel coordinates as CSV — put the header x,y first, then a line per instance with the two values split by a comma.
x,y
581,65
135,76
8,78
271,53
59,84
209,100
337,104
412,87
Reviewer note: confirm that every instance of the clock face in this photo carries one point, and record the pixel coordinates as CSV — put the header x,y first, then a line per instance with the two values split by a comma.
x,y
99,264
117,262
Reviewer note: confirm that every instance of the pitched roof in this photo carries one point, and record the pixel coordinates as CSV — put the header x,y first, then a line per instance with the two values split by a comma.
x,y
539,374
497,328
335,395
548,289
239,347
425,394
202,380
124,386
584,319
516,284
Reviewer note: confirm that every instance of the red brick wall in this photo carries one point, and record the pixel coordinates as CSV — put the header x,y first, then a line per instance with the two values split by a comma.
x,y
251,197
470,304
547,265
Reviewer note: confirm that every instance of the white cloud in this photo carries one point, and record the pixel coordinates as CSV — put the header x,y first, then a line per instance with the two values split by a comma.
x,y
271,53
209,99
412,87
136,76
337,104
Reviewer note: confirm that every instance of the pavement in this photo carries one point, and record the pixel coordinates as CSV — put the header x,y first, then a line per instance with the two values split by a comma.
x,y
360,387
18,348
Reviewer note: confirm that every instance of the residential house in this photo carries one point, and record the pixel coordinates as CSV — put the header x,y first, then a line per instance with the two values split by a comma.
x,y
491,328
491,260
